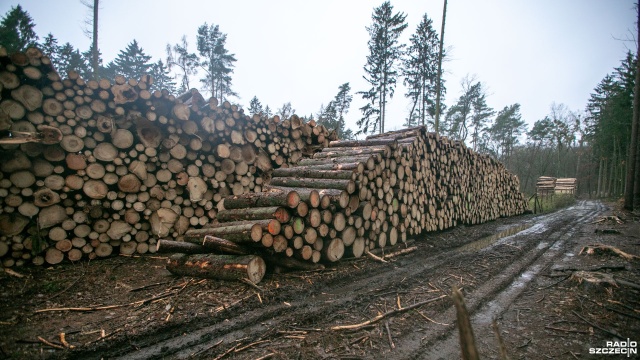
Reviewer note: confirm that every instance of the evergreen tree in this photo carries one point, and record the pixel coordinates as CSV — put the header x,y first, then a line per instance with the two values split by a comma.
x,y
71,59
420,71
381,68
480,116
506,130
162,78
180,57
255,107
217,62
332,116
50,48
132,62
17,30
268,112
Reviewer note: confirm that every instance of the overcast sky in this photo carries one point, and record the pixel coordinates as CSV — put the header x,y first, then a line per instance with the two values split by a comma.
x,y
532,52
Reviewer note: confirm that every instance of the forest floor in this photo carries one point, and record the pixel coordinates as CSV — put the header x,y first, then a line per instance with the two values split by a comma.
x,y
532,274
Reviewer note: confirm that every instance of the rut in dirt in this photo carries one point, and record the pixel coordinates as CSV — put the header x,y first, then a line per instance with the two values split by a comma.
x,y
540,240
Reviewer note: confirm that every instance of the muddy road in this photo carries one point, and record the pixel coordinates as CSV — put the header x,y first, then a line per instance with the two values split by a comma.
x,y
516,271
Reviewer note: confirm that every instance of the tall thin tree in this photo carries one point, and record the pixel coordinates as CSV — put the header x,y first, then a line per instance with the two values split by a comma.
x,y
632,189
438,89
381,68
420,71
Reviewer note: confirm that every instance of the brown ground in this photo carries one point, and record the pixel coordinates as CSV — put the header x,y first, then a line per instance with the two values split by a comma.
x,y
134,309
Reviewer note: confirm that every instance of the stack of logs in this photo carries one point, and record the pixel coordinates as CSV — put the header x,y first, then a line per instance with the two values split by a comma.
x,y
546,185
133,165
355,196
566,185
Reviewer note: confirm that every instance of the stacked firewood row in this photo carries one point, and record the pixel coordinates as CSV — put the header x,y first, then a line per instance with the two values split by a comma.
x,y
566,186
355,196
546,185
133,165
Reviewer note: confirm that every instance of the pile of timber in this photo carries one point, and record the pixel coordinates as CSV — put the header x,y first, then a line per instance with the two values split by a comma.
x,y
546,185
566,186
356,196
132,165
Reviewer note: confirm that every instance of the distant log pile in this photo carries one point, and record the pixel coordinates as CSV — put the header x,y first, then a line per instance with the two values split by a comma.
x,y
131,166
548,185
566,186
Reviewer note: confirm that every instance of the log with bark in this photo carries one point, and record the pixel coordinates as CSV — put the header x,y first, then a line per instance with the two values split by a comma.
x,y
223,267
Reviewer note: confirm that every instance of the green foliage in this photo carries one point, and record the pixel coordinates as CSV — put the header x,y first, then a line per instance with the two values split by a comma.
x,y
381,67
162,78
268,112
420,71
505,132
551,203
17,30
255,107
332,116
610,110
217,62
132,62
469,115
71,59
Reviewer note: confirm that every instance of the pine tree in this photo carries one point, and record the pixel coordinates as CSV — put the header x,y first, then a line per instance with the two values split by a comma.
x,y
268,112
506,129
217,62
162,78
255,107
420,71
50,48
381,68
332,116
132,62
180,57
71,59
17,30
480,116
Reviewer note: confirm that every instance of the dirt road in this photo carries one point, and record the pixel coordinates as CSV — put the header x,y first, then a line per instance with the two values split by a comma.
x,y
514,270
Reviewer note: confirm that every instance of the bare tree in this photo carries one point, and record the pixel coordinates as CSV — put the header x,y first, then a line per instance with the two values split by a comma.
x,y
92,21
437,120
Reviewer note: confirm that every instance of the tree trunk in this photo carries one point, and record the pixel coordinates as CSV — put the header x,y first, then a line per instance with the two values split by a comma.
x,y
223,267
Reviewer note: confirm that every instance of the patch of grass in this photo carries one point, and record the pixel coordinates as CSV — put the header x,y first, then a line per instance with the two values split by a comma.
x,y
552,203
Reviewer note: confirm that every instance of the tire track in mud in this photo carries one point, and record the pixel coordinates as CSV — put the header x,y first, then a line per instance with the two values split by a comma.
x,y
311,309
490,300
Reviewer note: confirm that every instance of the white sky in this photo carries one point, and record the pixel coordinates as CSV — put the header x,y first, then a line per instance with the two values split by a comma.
x,y
532,52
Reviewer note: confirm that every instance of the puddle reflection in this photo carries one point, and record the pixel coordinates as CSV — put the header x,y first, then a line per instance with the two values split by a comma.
x,y
490,240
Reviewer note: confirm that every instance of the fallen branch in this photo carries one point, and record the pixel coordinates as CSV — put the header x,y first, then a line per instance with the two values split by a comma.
x,y
401,252
391,344
592,249
374,257
109,307
382,316
610,332
49,343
